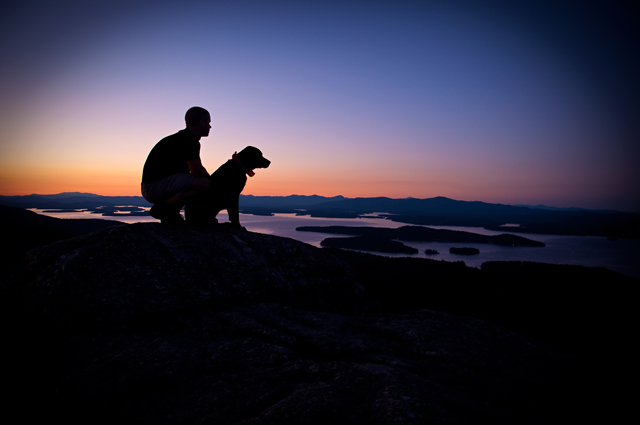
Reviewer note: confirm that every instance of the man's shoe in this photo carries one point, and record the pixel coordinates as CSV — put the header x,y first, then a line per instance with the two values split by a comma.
x,y
157,210
167,214
172,218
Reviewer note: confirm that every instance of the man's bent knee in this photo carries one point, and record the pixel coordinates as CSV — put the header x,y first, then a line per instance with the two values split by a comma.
x,y
167,187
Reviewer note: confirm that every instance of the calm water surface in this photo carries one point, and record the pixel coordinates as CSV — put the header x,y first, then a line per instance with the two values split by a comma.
x,y
622,255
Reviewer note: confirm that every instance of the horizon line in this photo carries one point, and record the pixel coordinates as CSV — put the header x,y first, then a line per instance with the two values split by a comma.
x,y
540,206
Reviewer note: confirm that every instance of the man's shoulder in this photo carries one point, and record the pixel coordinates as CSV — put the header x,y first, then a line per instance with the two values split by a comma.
x,y
182,135
180,141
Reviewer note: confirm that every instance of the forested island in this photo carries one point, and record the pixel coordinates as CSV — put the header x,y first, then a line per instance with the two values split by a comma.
x,y
369,243
386,240
464,251
423,234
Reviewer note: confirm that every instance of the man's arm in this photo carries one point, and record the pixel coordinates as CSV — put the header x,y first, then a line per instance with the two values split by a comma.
x,y
197,170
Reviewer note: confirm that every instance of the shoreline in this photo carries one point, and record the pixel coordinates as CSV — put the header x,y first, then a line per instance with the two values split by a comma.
x,y
588,251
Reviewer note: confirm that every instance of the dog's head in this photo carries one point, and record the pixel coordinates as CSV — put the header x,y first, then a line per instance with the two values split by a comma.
x,y
252,158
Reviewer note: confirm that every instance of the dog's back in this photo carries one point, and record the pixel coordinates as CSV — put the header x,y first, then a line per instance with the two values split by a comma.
x,y
227,182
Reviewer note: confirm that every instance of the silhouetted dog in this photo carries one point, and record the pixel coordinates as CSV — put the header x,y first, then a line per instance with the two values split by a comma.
x,y
227,183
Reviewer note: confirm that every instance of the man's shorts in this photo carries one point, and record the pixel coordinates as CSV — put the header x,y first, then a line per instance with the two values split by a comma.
x,y
160,190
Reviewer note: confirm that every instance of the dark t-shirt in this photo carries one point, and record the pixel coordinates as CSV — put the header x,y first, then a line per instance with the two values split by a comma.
x,y
170,155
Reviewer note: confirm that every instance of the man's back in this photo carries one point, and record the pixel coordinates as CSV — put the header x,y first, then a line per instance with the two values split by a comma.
x,y
170,156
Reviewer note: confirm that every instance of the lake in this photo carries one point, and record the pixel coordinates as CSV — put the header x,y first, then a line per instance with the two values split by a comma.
x,y
622,255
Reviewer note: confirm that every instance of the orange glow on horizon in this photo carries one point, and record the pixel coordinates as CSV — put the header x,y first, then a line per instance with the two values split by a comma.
x,y
51,180
16,181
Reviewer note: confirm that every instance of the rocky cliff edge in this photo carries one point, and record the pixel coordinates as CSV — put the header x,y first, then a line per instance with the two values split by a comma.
x,y
153,324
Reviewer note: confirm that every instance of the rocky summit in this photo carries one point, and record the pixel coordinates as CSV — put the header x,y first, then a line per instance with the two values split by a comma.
x,y
161,324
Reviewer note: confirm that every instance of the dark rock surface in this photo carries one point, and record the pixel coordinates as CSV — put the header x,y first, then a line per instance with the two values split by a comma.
x,y
131,271
160,324
565,306
588,312
21,230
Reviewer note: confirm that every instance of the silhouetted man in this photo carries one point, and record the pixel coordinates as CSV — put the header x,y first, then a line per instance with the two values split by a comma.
x,y
173,171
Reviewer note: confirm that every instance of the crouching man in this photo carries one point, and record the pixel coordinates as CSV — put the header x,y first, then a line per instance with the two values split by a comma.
x,y
173,171
226,184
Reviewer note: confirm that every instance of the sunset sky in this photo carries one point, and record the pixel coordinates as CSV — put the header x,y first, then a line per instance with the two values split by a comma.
x,y
515,102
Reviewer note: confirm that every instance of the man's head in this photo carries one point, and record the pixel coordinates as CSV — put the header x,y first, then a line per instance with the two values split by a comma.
x,y
198,121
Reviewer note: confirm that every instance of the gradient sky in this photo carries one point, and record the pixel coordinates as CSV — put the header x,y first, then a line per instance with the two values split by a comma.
x,y
498,101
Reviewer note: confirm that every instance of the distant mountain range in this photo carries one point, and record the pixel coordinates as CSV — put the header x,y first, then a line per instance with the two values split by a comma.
x,y
432,211
71,200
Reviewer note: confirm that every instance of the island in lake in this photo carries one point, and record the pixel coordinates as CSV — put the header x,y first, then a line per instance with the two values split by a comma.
x,y
464,251
369,243
382,239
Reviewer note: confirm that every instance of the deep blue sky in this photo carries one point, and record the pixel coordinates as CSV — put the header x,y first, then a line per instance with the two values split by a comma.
x,y
500,101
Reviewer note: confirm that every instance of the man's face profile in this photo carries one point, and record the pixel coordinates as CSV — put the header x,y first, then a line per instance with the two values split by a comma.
x,y
205,126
